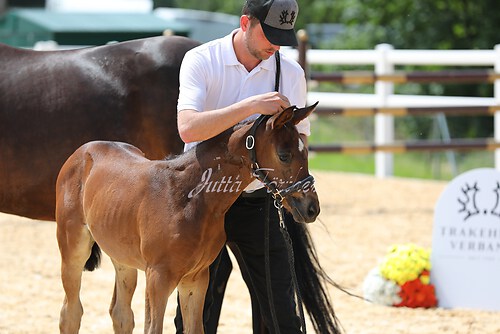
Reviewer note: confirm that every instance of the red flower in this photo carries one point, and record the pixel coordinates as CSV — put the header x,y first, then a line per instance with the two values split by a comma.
x,y
417,294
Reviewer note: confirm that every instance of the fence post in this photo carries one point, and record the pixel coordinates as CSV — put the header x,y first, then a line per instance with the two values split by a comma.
x,y
496,95
303,40
384,124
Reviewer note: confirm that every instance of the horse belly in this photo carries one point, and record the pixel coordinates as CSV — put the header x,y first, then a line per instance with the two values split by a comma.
x,y
111,202
117,238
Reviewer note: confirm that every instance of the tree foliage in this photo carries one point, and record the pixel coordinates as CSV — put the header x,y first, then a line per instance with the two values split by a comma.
x,y
427,24
406,24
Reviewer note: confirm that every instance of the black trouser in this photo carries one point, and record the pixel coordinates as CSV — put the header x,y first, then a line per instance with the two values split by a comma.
x,y
245,226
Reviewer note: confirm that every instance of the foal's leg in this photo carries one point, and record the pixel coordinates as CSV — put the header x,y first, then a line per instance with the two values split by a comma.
x,y
120,308
192,290
75,244
159,287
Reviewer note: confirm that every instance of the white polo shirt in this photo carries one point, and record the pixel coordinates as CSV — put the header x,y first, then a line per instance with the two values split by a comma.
x,y
211,77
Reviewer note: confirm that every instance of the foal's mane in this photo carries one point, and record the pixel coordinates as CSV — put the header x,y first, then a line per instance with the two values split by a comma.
x,y
243,123
180,157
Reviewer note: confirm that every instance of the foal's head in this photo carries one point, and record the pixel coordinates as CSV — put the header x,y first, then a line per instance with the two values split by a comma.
x,y
280,160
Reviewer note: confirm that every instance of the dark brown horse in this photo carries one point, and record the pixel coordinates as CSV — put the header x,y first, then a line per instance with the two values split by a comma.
x,y
53,102
153,216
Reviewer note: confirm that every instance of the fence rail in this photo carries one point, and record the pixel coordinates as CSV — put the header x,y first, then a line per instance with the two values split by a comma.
x,y
385,105
364,77
412,146
414,111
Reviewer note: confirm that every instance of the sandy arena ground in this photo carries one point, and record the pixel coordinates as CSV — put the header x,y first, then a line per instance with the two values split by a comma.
x,y
361,217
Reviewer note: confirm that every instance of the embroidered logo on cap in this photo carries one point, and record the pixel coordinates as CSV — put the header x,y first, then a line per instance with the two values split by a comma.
x,y
284,17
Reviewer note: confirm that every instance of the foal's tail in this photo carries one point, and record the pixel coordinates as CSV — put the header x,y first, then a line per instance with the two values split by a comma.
x,y
94,259
311,281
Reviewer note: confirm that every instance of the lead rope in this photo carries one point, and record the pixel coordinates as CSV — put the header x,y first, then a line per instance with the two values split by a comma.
x,y
268,267
286,237
291,263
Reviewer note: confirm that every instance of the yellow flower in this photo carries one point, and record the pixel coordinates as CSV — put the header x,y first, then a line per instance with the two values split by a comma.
x,y
405,263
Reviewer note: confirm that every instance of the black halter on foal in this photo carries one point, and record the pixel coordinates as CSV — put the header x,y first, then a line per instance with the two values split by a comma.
x,y
278,194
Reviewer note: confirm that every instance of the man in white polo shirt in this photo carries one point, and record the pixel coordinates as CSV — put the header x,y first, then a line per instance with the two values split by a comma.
x,y
222,83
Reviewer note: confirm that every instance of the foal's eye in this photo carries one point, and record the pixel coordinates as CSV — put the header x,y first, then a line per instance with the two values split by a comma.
x,y
285,156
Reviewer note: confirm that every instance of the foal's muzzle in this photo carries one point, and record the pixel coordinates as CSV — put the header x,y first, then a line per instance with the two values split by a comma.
x,y
304,206
300,199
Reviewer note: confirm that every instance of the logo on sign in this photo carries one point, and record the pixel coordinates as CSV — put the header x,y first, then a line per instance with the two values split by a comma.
x,y
468,201
475,228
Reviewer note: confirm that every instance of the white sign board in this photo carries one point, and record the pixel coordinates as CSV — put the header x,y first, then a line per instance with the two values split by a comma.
x,y
466,242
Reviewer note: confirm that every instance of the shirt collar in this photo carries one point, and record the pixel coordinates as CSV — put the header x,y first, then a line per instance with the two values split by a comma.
x,y
231,60
228,49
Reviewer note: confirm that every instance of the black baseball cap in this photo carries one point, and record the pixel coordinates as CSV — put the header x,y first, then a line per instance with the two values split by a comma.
x,y
277,18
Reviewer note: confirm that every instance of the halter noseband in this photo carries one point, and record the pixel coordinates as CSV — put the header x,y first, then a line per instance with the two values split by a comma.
x,y
278,194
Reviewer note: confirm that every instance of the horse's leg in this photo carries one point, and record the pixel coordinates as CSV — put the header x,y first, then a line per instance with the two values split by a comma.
x,y
159,286
192,290
75,244
120,308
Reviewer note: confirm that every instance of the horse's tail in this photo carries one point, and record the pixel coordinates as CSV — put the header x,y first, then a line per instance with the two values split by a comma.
x,y
311,281
94,259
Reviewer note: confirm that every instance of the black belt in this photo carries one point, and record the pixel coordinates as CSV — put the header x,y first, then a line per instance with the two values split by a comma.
x,y
259,193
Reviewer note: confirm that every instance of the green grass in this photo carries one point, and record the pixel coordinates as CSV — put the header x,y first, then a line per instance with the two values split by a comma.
x,y
425,165
342,162
412,165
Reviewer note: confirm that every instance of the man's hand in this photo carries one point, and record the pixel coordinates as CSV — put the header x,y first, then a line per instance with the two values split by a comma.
x,y
267,103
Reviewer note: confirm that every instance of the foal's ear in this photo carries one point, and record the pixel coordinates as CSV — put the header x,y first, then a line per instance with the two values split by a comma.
x,y
281,118
302,113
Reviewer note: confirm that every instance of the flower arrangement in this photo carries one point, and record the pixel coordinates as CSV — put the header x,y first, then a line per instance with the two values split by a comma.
x,y
402,279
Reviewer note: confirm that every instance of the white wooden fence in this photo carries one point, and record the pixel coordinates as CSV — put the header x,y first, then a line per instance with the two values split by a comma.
x,y
384,58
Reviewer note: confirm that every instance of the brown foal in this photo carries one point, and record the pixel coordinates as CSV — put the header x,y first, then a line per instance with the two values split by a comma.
x,y
167,217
